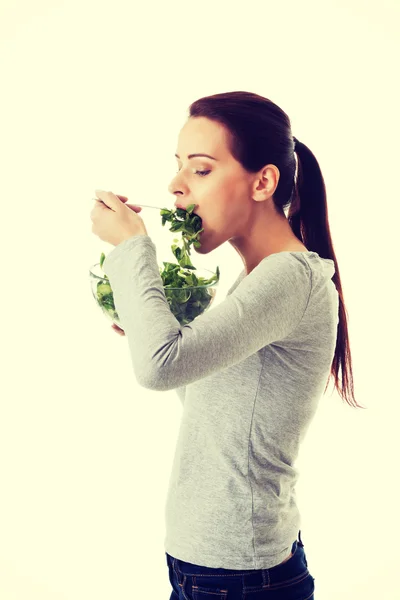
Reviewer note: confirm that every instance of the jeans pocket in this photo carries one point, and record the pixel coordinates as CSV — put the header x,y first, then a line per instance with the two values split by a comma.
x,y
209,593
172,578
300,587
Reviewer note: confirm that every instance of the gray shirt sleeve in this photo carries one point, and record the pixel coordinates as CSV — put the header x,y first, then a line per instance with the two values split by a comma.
x,y
266,306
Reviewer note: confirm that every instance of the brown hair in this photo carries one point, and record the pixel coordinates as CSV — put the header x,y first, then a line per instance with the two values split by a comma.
x,y
259,133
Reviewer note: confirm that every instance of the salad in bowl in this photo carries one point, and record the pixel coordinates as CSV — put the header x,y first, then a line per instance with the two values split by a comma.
x,y
189,291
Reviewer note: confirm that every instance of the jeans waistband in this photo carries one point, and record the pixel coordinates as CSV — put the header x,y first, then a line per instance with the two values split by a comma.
x,y
295,566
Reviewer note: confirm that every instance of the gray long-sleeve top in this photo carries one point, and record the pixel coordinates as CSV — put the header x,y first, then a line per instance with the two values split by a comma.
x,y
249,373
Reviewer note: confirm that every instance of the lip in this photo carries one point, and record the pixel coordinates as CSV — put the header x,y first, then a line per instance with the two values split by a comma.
x,y
183,208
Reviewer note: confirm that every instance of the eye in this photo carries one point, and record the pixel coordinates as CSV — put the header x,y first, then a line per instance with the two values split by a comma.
x,y
201,173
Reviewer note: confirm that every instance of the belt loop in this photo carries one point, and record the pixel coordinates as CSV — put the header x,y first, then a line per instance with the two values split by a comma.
x,y
176,571
265,577
300,542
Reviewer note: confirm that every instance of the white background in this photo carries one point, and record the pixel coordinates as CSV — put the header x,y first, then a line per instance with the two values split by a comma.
x,y
93,95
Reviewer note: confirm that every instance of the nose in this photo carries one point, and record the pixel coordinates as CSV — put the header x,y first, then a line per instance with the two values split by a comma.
x,y
173,190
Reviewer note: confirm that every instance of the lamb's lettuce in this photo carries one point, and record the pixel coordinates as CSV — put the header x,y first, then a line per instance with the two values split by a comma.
x,y
190,299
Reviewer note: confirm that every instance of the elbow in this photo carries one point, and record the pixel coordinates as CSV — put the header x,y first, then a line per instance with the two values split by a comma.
x,y
151,380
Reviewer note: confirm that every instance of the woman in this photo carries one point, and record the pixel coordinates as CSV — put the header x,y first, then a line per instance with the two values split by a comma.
x,y
251,371
240,195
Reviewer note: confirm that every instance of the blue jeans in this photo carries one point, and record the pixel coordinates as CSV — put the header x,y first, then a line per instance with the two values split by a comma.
x,y
289,581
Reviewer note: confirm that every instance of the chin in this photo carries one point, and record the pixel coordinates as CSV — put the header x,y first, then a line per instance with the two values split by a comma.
x,y
207,245
202,249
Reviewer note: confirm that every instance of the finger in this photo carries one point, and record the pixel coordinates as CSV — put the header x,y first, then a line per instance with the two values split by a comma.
x,y
118,329
133,207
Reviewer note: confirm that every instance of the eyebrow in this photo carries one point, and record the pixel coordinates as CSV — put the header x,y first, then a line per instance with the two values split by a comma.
x,y
193,155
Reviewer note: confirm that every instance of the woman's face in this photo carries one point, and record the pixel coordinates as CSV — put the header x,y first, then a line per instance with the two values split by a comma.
x,y
222,191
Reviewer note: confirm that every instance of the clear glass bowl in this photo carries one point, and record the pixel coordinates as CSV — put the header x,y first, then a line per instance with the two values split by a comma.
x,y
186,303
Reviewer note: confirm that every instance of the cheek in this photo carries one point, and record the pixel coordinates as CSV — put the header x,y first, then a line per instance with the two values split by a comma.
x,y
219,200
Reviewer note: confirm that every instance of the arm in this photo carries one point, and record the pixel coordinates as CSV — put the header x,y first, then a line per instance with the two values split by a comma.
x,y
267,306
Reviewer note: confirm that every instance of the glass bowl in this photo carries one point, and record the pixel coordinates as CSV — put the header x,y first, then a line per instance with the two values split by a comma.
x,y
186,303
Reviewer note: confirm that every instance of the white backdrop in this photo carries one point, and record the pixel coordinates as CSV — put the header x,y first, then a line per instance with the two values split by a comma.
x,y
93,95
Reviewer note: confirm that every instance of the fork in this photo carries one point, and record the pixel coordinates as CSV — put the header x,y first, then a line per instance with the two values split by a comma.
x,y
141,205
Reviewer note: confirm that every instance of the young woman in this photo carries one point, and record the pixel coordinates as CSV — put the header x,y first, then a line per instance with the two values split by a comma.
x,y
264,409
251,371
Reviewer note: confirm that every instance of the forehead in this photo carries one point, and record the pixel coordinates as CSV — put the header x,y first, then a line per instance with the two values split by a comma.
x,y
202,135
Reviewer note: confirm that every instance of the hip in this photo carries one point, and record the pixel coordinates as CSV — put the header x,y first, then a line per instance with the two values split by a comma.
x,y
285,581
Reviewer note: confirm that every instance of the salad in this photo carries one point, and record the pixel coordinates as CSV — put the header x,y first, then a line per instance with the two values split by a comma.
x,y
189,300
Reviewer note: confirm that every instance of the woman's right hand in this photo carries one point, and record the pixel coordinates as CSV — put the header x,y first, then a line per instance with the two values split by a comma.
x,y
118,329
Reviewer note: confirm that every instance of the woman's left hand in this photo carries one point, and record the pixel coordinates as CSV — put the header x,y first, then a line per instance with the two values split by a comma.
x,y
113,221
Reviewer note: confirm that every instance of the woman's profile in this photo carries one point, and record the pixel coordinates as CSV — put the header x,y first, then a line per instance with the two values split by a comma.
x,y
251,371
